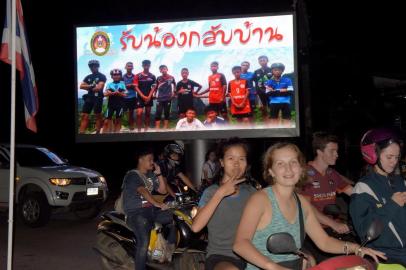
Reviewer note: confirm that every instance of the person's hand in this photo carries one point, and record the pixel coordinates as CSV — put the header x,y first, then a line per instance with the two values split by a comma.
x,y
230,186
157,169
274,266
399,198
181,90
163,206
341,228
371,252
283,90
270,89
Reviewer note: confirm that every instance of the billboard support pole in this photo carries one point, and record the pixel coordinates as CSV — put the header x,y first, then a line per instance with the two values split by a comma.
x,y
195,152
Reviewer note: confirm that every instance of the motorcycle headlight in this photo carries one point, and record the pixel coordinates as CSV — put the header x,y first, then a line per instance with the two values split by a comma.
x,y
60,181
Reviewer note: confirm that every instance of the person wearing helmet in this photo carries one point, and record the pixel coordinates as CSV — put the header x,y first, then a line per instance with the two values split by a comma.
x,y
116,92
93,100
381,194
145,84
261,76
279,91
170,168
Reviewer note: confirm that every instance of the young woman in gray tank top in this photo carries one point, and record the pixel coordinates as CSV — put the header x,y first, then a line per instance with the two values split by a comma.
x,y
276,209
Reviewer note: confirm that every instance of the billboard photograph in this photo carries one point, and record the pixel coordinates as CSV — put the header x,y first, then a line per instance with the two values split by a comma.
x,y
204,78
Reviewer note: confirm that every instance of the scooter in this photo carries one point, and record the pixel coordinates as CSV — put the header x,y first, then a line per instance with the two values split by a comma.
x,y
116,242
283,243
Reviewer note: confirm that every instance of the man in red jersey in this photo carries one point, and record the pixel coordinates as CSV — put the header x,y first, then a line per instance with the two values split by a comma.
x,y
239,91
217,91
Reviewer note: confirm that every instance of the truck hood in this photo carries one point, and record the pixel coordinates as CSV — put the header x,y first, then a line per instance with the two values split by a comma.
x,y
65,171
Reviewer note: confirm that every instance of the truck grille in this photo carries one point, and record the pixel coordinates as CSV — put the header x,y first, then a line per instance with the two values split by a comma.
x,y
84,180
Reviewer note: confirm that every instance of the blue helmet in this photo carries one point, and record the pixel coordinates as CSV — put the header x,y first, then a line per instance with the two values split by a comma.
x,y
278,66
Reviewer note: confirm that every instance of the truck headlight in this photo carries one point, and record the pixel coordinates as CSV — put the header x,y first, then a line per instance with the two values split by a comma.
x,y
102,179
60,181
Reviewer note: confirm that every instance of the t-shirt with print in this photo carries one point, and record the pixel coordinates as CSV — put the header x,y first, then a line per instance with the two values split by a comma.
x,y
93,79
249,76
223,224
129,79
116,87
216,91
277,96
144,81
132,200
166,86
187,96
322,189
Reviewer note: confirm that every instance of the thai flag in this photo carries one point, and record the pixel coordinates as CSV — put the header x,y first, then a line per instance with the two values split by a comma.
x,y
23,63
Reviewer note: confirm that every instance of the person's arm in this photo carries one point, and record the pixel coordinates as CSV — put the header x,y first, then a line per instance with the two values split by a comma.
x,y
329,244
253,212
85,86
99,86
162,182
153,89
199,86
224,83
327,221
173,88
207,206
147,196
186,180
363,208
136,87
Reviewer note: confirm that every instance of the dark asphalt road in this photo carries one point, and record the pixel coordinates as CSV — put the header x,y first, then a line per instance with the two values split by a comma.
x,y
64,243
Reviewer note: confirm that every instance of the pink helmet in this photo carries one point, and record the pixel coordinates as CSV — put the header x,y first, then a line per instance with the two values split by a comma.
x,y
370,140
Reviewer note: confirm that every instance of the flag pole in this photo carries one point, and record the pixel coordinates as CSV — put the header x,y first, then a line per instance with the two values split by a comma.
x,y
12,138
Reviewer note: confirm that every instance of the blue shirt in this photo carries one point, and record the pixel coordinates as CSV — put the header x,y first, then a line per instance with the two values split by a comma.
x,y
129,80
116,86
249,77
283,83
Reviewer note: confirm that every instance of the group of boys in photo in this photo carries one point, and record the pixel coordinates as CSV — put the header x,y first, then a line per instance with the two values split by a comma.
x,y
135,94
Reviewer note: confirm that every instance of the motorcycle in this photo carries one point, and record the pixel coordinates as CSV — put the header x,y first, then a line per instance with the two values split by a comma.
x,y
283,243
116,242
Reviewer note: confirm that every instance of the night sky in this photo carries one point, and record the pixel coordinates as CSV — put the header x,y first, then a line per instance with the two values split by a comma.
x,y
341,47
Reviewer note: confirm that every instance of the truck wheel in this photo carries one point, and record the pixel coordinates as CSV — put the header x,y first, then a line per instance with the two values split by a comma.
x,y
34,210
189,261
88,213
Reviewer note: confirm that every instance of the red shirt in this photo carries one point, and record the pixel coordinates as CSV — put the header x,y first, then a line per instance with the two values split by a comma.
x,y
216,91
322,189
238,90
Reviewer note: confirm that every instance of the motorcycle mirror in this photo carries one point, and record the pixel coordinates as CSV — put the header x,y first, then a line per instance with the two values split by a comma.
x,y
374,230
281,243
332,210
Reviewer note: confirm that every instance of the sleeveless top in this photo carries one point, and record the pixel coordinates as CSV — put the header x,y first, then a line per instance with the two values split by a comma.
x,y
278,224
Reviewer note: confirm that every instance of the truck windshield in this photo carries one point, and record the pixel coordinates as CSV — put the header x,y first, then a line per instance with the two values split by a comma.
x,y
37,157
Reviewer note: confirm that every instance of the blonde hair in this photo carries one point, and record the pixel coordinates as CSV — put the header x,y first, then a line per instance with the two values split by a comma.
x,y
268,161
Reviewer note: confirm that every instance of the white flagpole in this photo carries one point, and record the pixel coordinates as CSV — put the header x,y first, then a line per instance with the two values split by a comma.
x,y
12,138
